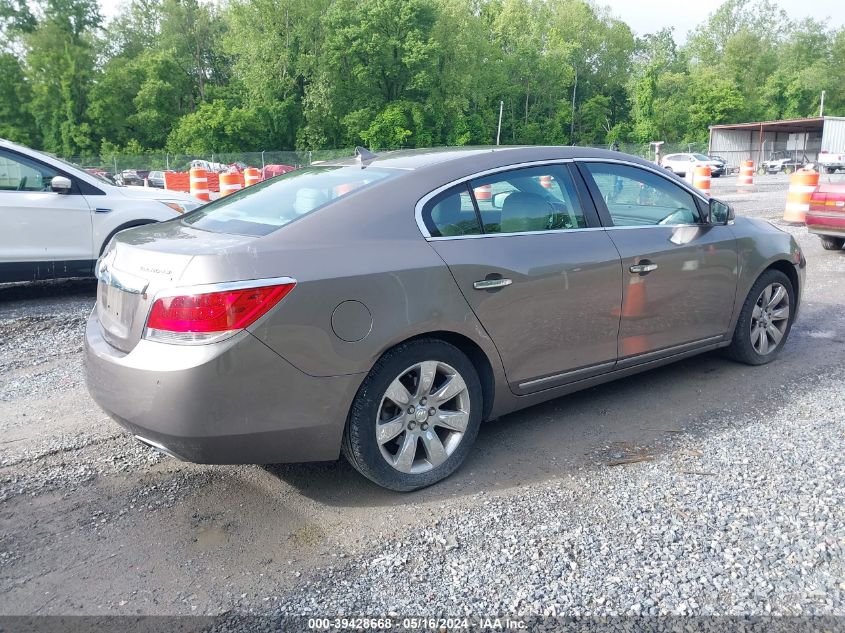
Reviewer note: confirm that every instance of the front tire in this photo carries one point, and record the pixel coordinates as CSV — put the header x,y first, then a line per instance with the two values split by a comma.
x,y
415,417
765,320
830,243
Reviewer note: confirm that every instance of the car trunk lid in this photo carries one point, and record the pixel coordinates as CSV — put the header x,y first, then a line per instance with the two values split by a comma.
x,y
141,262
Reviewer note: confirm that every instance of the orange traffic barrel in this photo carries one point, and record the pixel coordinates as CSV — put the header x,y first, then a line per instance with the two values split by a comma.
x,y
343,189
252,176
701,179
746,175
546,182
199,184
802,184
634,302
230,182
484,192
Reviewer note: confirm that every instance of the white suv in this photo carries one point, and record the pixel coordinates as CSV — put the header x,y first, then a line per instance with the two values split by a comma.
x,y
56,219
685,164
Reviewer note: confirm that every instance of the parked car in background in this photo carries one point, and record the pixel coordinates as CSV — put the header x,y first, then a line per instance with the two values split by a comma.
x,y
781,162
683,164
826,217
217,168
100,173
131,178
156,179
831,161
386,306
721,164
271,171
56,218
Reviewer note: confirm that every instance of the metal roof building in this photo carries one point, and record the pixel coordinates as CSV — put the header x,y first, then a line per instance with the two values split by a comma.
x,y
794,137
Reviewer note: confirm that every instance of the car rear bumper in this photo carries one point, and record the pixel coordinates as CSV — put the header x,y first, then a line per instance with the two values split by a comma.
x,y
826,223
232,402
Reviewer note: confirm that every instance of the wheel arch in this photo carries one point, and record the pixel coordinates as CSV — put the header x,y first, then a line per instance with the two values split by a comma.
x,y
126,225
476,356
788,269
779,263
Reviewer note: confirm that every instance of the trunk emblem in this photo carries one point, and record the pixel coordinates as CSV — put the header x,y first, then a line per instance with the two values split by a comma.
x,y
120,280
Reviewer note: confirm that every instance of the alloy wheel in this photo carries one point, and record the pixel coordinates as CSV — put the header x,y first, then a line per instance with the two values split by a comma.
x,y
422,417
769,318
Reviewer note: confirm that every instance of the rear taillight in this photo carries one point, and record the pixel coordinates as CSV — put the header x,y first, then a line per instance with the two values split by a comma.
x,y
827,201
208,316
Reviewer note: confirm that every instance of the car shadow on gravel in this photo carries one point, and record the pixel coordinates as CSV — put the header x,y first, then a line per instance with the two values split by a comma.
x,y
639,416
26,291
540,443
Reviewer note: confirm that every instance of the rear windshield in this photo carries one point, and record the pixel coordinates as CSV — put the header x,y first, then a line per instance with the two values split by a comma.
x,y
270,205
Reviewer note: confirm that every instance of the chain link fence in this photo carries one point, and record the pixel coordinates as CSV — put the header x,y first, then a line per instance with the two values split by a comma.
x,y
117,163
155,161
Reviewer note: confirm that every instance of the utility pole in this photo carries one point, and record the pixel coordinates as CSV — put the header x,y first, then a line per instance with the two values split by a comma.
x,y
499,129
821,107
572,125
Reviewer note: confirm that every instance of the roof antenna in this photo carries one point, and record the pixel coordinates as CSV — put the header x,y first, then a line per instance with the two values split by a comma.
x,y
364,156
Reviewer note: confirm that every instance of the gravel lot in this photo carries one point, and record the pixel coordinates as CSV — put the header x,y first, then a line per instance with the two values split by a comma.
x,y
731,503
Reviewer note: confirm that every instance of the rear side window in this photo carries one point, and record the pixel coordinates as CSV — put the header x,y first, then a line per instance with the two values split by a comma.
x,y
451,214
272,204
528,200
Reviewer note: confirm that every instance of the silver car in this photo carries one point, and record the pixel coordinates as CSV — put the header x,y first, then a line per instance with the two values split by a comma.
x,y
385,306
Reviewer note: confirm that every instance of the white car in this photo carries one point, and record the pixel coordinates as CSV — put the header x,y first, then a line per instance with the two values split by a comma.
x,y
56,219
685,164
831,161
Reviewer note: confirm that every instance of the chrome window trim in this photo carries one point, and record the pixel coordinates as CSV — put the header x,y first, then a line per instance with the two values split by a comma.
x,y
538,163
222,286
697,225
553,231
487,172
483,235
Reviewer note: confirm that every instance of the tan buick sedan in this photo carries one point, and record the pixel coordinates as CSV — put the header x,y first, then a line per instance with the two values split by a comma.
x,y
384,306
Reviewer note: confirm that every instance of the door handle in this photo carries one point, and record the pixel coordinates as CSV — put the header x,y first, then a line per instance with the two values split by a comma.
x,y
488,284
643,269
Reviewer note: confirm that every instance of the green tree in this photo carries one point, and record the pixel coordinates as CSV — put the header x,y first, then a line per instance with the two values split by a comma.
x,y
216,127
16,123
58,44
375,52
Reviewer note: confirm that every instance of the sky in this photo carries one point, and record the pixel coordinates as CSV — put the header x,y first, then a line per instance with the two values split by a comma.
x,y
646,16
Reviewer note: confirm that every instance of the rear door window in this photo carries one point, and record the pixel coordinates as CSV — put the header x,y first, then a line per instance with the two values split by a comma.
x,y
528,200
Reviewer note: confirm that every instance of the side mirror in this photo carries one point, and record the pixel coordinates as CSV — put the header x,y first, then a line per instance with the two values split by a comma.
x,y
60,184
720,212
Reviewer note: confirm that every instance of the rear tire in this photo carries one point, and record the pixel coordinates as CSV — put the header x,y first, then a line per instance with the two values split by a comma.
x,y
765,320
392,437
830,170
830,243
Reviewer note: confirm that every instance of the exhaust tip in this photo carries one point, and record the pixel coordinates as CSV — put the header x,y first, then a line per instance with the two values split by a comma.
x,y
159,447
